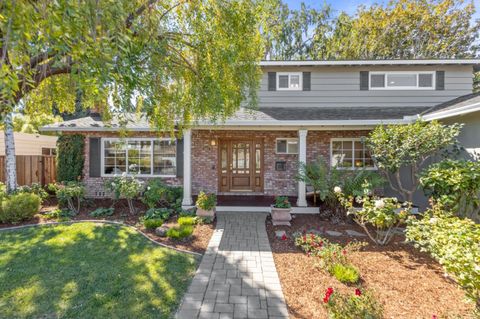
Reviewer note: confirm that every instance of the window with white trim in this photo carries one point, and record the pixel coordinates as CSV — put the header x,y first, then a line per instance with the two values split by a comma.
x,y
289,81
142,156
402,80
350,153
287,146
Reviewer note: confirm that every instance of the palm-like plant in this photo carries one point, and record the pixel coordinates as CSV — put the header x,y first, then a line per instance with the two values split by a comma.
x,y
315,174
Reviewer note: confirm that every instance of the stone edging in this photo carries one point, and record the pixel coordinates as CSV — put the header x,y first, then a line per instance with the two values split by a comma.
x,y
104,222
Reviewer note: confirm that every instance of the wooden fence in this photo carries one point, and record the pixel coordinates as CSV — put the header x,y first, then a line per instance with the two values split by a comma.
x,y
32,169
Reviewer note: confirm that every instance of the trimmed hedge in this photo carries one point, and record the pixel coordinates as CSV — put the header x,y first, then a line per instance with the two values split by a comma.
x,y
70,157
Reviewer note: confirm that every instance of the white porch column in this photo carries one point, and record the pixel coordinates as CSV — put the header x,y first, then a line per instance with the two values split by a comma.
x,y
187,168
302,158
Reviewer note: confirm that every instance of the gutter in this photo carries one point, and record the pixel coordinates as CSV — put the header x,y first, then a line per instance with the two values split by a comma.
x,y
438,115
226,124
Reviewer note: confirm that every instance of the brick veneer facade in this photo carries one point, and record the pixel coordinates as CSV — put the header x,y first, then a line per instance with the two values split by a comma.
x,y
205,158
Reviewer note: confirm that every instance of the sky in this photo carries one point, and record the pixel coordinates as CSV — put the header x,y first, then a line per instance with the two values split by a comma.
x,y
350,6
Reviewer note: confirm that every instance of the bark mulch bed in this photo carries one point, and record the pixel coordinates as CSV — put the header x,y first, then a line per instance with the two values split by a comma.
x,y
407,282
198,242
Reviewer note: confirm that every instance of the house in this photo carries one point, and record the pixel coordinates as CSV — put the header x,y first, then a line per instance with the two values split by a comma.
x,y
306,109
31,144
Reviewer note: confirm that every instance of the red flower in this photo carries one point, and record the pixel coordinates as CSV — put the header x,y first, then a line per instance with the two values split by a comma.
x,y
312,236
284,237
328,294
358,292
344,252
304,238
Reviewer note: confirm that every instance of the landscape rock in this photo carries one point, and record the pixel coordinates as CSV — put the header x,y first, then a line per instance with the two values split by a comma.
x,y
161,231
333,233
354,233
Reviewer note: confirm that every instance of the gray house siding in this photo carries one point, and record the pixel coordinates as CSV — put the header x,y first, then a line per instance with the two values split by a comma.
x,y
340,87
470,135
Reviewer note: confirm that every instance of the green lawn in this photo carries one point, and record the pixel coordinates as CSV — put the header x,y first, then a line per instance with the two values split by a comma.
x,y
89,270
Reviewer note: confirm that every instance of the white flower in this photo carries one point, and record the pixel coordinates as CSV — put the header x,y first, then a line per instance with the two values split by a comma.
x,y
433,220
124,174
337,189
148,188
379,204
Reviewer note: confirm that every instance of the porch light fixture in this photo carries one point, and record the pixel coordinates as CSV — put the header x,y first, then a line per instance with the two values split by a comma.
x,y
213,142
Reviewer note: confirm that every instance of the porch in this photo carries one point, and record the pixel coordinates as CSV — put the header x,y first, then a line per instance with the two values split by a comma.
x,y
259,203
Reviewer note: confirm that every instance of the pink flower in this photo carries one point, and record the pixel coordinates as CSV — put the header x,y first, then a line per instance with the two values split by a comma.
x,y
434,317
358,292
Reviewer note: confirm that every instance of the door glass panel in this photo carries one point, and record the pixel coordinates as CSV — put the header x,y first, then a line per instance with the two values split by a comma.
x,y
224,159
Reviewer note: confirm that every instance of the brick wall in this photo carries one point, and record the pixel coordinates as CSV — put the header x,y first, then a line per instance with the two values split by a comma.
x,y
205,157
95,185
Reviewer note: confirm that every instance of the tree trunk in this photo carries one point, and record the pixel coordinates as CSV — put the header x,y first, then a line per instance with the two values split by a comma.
x,y
10,160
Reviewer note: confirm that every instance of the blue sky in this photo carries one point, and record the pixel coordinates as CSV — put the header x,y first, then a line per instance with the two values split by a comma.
x,y
350,5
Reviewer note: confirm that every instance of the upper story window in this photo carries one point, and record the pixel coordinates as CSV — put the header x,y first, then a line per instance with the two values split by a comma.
x,y
402,80
350,153
142,156
287,146
289,81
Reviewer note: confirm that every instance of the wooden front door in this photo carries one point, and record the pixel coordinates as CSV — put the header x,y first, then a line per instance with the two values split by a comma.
x,y
240,166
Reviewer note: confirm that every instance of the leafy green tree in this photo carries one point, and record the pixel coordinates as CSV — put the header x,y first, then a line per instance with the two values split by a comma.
x,y
180,60
408,147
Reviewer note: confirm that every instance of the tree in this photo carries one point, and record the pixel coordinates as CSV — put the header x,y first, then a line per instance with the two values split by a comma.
x,y
175,61
406,29
408,147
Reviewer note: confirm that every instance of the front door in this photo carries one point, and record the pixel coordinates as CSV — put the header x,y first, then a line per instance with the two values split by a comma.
x,y
240,165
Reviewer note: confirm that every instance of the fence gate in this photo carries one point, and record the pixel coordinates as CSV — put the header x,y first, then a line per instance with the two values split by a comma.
x,y
32,169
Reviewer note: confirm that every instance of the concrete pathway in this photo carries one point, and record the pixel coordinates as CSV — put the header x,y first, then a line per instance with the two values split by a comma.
x,y
237,277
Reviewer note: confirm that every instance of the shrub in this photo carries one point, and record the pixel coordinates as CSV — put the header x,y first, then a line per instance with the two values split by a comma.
x,y
180,232
126,187
158,213
157,193
101,212
394,147
187,221
282,202
454,243
152,223
19,207
456,185
383,214
206,201
59,214
71,194
70,157
346,274
3,191
35,188
329,253
360,304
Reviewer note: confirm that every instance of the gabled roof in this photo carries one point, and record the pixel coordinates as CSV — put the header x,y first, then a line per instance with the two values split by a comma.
x,y
473,62
462,105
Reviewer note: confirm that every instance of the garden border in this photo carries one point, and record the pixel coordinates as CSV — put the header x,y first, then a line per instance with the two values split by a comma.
x,y
103,222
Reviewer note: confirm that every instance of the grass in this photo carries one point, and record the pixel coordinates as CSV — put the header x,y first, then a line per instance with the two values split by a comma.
x,y
88,270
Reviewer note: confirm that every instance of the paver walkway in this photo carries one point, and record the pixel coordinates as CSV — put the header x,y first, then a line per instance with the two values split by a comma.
x,y
237,277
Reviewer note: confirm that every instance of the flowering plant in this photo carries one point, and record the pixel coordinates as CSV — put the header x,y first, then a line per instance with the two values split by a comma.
x,y
71,194
328,252
384,214
361,304
282,202
206,201
126,187
454,242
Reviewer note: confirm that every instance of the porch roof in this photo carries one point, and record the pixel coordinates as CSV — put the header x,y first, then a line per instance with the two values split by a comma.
x,y
271,117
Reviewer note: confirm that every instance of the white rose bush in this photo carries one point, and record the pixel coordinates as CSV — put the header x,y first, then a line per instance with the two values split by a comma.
x,y
378,217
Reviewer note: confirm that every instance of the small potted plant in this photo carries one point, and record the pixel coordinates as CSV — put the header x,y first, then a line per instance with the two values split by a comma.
x,y
206,205
281,211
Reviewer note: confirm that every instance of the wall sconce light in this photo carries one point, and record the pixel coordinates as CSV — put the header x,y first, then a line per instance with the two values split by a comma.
x,y
213,142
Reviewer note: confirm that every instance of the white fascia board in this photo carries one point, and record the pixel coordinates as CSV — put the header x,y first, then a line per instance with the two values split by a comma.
x,y
452,112
92,129
372,62
306,123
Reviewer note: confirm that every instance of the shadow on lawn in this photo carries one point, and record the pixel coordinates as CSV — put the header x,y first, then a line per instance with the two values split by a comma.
x,y
89,271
